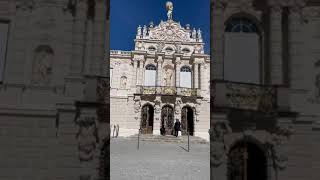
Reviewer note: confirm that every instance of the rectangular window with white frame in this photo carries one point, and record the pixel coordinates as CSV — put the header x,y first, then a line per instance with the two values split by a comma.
x,y
4,31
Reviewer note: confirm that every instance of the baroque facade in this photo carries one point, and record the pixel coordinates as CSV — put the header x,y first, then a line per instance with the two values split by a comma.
x,y
166,77
264,89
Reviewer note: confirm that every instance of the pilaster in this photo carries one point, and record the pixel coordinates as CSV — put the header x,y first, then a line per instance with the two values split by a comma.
x,y
296,46
276,67
159,69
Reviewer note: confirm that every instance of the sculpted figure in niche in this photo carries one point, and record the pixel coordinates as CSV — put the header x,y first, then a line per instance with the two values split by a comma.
x,y
123,82
42,65
169,7
168,77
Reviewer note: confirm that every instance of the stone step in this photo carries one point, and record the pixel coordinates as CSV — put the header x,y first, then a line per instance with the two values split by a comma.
x,y
159,138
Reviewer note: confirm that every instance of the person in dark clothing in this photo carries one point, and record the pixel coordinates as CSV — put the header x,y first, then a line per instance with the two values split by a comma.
x,y
162,130
177,127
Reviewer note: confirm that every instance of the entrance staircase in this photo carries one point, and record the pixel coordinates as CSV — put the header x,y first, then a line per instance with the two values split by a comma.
x,y
168,139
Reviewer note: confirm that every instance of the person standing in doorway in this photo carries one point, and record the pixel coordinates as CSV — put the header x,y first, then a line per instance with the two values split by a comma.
x,y
177,127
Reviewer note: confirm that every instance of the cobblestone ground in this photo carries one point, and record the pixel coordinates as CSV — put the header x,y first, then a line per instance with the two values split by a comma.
x,y
158,161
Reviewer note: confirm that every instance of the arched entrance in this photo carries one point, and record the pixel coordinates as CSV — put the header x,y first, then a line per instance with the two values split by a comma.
x,y
147,119
167,122
187,123
247,162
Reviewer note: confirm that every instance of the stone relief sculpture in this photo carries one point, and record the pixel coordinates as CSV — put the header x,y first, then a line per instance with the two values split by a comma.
x,y
276,146
157,106
169,7
137,106
123,82
42,65
87,137
218,155
168,77
178,106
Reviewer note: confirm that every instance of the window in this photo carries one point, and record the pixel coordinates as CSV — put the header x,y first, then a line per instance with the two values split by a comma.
x,y
186,50
151,48
4,30
185,77
242,63
150,75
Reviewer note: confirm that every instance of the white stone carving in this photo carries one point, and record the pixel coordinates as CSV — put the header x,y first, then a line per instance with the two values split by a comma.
x,y
178,106
139,33
144,33
157,106
137,106
168,77
123,82
169,7
169,31
217,144
199,35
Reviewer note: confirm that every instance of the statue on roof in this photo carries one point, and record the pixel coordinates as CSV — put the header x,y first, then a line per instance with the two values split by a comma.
x,y
169,7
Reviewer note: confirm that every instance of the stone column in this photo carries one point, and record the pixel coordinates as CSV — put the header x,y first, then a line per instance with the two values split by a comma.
x,y
159,70
296,47
157,116
134,73
276,65
217,29
203,77
178,66
195,75
141,75
140,72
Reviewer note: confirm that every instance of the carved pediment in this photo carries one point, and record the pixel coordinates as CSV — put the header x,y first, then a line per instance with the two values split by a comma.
x,y
170,31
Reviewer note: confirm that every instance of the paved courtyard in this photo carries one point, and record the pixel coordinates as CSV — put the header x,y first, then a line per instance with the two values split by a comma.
x,y
158,161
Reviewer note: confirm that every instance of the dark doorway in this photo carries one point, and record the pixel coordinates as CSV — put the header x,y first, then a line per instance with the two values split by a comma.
x,y
187,124
147,119
247,162
167,121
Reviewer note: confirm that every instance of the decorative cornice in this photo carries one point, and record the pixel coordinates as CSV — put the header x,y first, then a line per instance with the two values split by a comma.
x,y
25,5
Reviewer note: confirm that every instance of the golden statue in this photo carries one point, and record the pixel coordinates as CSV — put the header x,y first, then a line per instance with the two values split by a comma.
x,y
169,7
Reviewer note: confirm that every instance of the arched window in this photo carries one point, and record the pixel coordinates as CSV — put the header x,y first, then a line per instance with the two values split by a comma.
x,y
241,25
185,77
150,75
242,51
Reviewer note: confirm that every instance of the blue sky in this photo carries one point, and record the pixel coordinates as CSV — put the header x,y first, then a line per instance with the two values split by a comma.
x,y
126,15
